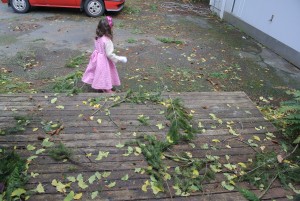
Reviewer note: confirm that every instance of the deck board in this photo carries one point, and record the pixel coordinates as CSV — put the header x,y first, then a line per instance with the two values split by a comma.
x,y
85,136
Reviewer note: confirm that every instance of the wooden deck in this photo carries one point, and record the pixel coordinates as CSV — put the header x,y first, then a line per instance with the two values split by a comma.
x,y
86,137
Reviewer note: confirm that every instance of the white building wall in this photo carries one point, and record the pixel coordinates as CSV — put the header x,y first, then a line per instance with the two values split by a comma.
x,y
279,19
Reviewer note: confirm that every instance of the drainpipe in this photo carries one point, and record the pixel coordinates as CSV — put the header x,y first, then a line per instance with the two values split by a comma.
x,y
233,6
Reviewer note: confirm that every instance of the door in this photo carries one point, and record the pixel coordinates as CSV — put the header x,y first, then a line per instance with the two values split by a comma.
x,y
63,3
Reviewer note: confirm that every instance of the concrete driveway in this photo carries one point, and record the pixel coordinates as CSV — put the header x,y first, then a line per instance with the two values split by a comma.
x,y
167,49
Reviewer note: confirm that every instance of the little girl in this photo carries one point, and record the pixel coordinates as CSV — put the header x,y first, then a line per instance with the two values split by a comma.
x,y
101,72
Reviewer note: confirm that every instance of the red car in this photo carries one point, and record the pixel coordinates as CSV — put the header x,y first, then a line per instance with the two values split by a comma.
x,y
93,8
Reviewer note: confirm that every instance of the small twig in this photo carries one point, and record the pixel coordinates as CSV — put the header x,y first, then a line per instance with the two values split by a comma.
x,y
247,144
99,109
169,190
269,186
296,147
113,121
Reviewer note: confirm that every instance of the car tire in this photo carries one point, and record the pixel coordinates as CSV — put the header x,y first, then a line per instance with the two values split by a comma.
x,y
20,6
94,8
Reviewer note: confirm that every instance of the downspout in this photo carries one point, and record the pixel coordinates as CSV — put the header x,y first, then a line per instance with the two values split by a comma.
x,y
233,6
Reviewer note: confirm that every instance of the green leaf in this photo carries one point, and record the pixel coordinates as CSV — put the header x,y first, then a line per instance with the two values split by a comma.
x,y
31,158
79,177
39,151
18,192
70,196
293,188
106,174
137,170
94,194
101,155
71,179
227,186
155,188
34,175
205,146
119,145
60,107
40,188
82,184
98,175
92,179
47,143
53,100
30,147
177,189
125,177
111,184
297,140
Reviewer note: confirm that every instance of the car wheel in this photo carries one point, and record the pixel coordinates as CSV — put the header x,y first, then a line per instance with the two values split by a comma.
x,y
94,8
20,6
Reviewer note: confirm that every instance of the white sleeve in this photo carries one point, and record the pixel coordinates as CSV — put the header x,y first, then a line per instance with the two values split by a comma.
x,y
109,49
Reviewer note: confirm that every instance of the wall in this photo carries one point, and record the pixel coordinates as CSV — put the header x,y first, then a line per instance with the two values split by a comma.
x,y
280,20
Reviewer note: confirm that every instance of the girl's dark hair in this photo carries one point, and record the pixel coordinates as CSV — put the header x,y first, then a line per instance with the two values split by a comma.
x,y
103,29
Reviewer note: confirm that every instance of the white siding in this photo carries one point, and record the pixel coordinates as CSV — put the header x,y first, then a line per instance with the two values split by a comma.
x,y
285,23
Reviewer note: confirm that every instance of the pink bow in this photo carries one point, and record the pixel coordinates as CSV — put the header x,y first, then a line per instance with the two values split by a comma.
x,y
110,21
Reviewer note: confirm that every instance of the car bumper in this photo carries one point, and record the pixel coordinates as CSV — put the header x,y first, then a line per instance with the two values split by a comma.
x,y
114,5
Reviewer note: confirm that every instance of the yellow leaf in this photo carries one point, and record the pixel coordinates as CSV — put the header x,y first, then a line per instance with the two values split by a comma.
x,y
256,137
216,140
35,129
160,126
92,118
195,173
243,165
99,121
77,196
228,146
88,155
60,107
146,184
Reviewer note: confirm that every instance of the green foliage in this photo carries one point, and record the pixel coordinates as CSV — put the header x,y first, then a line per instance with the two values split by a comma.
x,y
142,97
131,10
143,119
21,123
12,172
266,167
9,84
68,84
77,61
219,75
170,40
152,149
249,195
181,123
291,117
131,40
60,152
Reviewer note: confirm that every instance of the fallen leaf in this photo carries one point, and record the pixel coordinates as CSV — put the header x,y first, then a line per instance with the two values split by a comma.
x,y
77,196
125,177
94,194
111,184
40,188
279,158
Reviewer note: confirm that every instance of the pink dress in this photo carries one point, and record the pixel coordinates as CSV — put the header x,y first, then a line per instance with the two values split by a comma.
x,y
101,72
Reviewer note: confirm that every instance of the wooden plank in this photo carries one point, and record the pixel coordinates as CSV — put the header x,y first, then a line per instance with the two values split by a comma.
x,y
85,136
